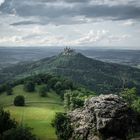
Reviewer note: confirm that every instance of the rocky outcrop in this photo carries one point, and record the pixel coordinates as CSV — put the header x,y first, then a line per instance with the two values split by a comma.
x,y
106,117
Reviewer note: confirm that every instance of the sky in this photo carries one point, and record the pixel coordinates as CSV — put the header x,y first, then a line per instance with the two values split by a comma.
x,y
110,23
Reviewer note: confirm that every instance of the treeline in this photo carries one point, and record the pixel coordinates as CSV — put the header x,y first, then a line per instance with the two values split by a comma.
x,y
47,81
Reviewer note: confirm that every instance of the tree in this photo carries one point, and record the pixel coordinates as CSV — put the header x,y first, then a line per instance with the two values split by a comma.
x,y
61,123
19,133
136,105
52,82
129,95
58,87
19,100
75,99
9,91
67,100
43,91
10,130
67,84
76,103
29,86
5,121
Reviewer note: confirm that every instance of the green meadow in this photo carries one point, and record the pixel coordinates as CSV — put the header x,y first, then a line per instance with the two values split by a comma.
x,y
38,112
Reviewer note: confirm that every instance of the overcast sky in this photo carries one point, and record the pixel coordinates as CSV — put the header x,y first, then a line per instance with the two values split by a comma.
x,y
70,22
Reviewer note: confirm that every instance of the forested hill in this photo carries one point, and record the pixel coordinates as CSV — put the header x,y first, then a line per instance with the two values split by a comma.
x,y
99,76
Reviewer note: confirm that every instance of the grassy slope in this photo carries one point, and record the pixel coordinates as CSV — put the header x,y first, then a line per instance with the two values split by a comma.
x,y
36,115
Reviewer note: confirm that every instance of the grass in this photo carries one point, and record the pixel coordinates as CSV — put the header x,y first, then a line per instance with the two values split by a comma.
x,y
38,112
29,97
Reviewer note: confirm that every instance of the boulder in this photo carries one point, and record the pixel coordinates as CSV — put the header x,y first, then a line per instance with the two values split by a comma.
x,y
106,117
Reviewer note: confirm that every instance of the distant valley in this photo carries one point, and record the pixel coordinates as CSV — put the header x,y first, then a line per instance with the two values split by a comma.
x,y
14,55
102,77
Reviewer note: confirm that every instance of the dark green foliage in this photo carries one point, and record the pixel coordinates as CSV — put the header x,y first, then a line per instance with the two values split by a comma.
x,y
58,87
2,88
76,103
75,99
61,123
43,91
67,84
6,87
29,86
136,105
5,121
98,76
9,91
19,100
130,95
52,82
19,133
10,130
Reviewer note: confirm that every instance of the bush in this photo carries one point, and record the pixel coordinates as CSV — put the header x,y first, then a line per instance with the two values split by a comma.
x,y
42,91
62,125
19,100
52,82
75,99
9,91
129,95
29,86
67,84
136,105
5,121
19,133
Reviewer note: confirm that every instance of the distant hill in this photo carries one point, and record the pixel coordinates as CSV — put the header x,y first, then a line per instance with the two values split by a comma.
x,y
99,76
14,55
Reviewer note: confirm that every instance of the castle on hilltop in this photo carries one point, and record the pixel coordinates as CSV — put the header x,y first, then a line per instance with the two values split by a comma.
x,y
68,51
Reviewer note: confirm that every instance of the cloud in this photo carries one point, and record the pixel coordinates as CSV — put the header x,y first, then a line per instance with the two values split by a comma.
x,y
58,12
128,23
115,2
118,38
69,22
13,39
24,23
91,37
38,36
1,1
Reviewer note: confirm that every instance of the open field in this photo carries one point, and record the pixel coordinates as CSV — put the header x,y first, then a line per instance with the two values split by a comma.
x,y
38,112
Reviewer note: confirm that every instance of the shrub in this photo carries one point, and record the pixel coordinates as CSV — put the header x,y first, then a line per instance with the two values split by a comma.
x,y
129,95
19,100
42,91
52,82
62,125
5,121
29,86
9,91
136,105
19,133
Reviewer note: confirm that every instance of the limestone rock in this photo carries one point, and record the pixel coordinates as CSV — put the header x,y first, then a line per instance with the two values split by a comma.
x,y
102,118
